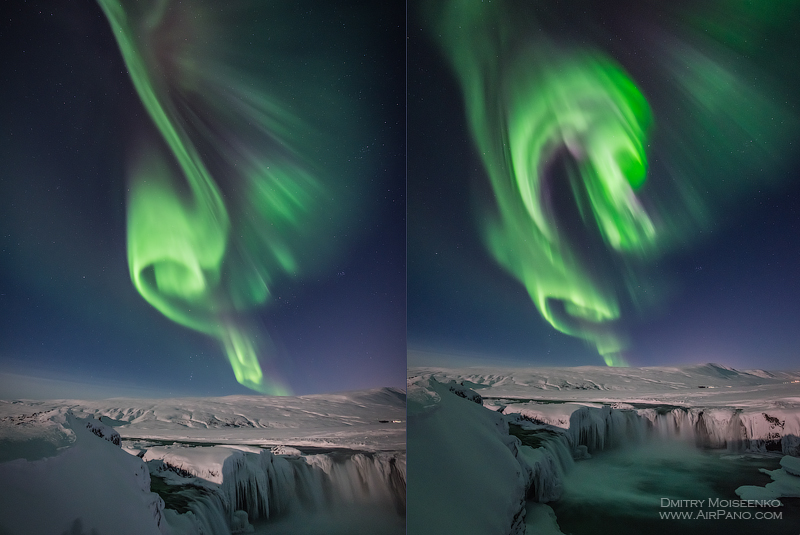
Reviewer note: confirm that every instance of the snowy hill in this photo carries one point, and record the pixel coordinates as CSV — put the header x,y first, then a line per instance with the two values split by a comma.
x,y
367,420
706,384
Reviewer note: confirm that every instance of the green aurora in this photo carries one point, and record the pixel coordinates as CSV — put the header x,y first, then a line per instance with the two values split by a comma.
x,y
534,104
590,105
200,255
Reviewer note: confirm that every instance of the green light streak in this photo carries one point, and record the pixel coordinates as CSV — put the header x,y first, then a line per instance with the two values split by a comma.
x,y
191,256
175,248
726,122
589,105
243,357
524,109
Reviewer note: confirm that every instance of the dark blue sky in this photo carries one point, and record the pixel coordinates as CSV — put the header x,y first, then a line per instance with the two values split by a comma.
x,y
69,310
728,293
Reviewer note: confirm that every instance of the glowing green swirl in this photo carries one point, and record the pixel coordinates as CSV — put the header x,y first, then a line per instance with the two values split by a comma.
x,y
588,105
524,109
192,257
539,108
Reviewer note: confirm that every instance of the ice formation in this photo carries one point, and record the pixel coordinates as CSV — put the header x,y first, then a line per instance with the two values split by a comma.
x,y
598,427
785,483
221,482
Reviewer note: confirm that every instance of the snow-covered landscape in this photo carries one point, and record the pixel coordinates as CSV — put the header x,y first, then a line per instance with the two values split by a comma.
x,y
313,464
700,449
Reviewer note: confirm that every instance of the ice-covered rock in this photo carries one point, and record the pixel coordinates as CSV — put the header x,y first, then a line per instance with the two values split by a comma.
x,y
785,483
285,450
543,481
791,465
541,520
462,391
103,431
240,523
733,429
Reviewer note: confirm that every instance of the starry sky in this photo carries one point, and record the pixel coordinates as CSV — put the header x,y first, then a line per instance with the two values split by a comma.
x,y
719,284
722,286
72,321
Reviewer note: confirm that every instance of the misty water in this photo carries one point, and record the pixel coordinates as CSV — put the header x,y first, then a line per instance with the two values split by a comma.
x,y
620,492
352,519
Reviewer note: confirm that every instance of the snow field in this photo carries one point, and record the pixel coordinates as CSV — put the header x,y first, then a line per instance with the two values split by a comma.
x,y
80,479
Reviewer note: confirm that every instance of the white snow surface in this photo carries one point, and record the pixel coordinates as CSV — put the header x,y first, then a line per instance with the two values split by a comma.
x,y
705,385
90,485
202,462
63,470
541,520
785,483
348,420
468,476
791,465
463,477
752,407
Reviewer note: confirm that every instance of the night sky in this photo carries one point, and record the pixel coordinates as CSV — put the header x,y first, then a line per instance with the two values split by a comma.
x,y
720,283
71,117
726,286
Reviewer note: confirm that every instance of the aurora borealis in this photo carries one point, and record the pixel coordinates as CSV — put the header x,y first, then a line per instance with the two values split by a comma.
x,y
177,246
521,116
197,197
244,171
598,150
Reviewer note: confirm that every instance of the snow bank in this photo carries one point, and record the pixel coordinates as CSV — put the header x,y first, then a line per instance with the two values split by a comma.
x,y
785,483
555,414
201,462
468,474
32,432
91,485
791,465
541,520
463,477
